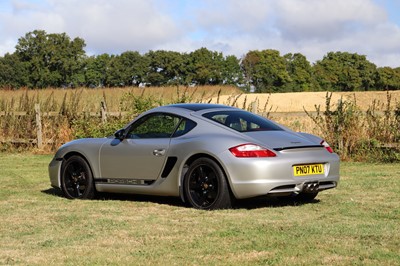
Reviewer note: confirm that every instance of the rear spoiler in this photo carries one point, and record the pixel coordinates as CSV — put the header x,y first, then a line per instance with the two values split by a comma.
x,y
298,147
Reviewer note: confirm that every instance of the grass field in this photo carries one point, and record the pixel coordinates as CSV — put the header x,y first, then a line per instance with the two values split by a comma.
x,y
298,101
355,224
89,100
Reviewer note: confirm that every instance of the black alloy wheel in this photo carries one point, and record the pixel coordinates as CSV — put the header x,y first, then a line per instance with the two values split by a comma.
x,y
77,179
205,186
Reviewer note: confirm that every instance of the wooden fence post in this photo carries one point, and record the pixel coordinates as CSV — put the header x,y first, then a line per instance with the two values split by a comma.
x,y
254,107
38,126
103,112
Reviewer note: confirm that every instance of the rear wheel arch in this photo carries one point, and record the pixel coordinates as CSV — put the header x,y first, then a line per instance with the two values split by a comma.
x,y
193,158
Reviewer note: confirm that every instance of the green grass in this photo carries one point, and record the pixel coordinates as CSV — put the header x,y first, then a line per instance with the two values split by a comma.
x,y
355,224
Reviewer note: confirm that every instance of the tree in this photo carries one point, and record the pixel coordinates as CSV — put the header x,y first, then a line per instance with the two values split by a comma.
x,y
300,72
52,59
96,70
231,72
342,71
127,69
205,67
388,78
165,68
265,70
13,72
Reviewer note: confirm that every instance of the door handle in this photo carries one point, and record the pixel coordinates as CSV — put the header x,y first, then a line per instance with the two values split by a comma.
x,y
159,152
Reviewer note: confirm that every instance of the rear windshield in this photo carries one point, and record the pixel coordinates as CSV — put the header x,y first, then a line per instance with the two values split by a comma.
x,y
242,121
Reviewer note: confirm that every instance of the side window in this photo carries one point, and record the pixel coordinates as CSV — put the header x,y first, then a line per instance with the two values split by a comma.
x,y
220,118
154,126
242,121
184,127
235,122
231,120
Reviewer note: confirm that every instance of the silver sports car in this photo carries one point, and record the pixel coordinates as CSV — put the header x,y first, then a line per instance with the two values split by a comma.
x,y
207,154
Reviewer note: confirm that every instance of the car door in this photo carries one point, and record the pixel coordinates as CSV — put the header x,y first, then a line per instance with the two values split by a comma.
x,y
140,156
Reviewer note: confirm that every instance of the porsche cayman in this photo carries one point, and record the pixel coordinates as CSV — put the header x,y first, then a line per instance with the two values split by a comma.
x,y
206,154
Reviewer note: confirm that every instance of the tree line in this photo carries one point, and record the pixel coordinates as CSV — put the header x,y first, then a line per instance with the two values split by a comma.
x,y
43,60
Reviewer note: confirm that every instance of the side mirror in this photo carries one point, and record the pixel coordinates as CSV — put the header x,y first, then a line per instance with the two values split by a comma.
x,y
120,134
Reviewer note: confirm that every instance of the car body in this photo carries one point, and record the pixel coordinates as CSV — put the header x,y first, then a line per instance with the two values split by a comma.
x,y
207,154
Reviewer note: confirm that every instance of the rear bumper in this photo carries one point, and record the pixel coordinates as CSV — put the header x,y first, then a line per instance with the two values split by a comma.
x,y
273,176
306,186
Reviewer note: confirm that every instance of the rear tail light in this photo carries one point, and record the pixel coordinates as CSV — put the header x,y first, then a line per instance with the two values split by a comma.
x,y
326,145
251,150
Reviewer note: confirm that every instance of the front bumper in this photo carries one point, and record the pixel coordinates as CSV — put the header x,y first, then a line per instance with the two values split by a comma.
x,y
54,172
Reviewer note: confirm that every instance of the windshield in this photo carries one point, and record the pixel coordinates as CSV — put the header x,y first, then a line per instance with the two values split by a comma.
x,y
242,121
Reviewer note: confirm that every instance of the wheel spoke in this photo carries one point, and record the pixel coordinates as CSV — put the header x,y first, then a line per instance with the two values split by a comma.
x,y
70,171
76,190
195,186
204,199
75,180
202,175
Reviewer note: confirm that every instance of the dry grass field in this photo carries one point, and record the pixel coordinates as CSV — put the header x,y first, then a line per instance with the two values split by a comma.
x,y
90,99
298,101
276,102
287,109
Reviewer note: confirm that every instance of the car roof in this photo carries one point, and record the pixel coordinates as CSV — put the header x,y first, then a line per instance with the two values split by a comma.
x,y
200,106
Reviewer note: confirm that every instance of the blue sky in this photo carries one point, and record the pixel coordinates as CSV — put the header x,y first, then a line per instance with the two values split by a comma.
x,y
310,27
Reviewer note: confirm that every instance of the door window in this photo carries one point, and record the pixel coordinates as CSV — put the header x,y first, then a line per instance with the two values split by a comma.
x,y
154,126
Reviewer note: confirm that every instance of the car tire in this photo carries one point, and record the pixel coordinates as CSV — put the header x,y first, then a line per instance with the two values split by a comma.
x,y
206,187
77,179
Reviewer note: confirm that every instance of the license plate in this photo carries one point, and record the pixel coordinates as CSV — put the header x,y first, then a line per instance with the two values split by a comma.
x,y
308,169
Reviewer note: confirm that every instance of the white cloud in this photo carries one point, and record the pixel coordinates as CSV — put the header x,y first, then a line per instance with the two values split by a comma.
x,y
311,27
116,26
325,19
320,26
106,26
7,46
234,16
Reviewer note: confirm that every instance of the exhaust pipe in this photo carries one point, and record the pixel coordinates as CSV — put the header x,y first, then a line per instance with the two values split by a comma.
x,y
307,187
310,187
